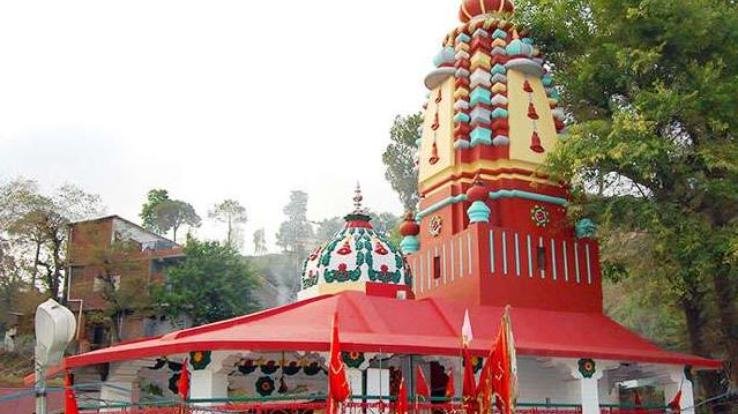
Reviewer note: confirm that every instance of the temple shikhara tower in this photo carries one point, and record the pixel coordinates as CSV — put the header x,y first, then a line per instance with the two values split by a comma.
x,y
491,231
493,227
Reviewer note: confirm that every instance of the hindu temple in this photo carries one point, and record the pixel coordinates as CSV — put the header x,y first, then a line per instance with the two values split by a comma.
x,y
491,230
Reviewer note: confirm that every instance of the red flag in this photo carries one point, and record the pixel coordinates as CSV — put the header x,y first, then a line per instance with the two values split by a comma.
x,y
183,385
469,387
421,385
70,400
450,388
401,403
499,375
676,403
484,388
338,385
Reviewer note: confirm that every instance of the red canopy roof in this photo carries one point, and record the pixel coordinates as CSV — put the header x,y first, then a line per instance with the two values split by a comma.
x,y
421,327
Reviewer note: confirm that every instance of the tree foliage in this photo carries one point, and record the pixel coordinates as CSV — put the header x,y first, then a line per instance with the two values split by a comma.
x,y
123,279
259,239
327,228
148,210
399,158
232,213
160,213
34,227
173,214
653,91
212,283
295,234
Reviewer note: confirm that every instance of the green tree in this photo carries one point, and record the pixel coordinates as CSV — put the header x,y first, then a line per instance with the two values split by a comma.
x,y
295,234
385,223
327,228
653,154
399,158
172,214
12,282
148,210
295,237
232,213
35,225
124,283
260,242
212,283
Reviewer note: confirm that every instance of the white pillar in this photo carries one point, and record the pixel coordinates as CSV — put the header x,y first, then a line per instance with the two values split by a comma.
x,y
377,384
588,377
590,394
210,382
677,379
115,392
120,385
356,381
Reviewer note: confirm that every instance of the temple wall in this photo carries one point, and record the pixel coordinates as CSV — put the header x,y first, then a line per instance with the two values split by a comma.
x,y
521,127
540,384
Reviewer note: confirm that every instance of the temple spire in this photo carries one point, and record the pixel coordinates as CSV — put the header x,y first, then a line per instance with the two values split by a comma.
x,y
358,198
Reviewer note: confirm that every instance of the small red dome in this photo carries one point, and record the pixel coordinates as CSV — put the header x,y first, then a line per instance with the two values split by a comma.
x,y
409,227
478,191
471,8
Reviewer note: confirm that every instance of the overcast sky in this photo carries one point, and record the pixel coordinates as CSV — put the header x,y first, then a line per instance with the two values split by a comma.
x,y
213,99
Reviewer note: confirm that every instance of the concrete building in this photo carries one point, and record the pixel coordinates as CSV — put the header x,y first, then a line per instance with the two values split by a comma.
x,y
105,257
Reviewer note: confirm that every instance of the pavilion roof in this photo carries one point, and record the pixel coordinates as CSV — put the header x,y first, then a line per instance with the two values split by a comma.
x,y
421,327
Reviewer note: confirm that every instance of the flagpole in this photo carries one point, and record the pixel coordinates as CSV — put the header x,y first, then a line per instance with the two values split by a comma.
x,y
411,384
461,357
380,380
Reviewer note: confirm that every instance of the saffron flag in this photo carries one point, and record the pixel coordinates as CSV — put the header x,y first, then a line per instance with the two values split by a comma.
x,y
70,400
450,387
338,385
469,387
401,403
499,374
484,388
183,385
421,385
676,403
466,330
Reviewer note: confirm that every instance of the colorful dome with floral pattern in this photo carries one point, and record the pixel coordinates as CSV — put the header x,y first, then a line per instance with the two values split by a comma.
x,y
355,258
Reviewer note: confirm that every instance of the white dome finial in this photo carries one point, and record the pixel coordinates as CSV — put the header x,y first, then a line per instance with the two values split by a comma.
x,y
358,198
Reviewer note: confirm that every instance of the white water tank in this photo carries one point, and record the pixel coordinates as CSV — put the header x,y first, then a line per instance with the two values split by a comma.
x,y
55,329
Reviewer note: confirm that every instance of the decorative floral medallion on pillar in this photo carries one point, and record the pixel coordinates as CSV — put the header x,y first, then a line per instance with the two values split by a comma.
x,y
587,367
200,359
355,360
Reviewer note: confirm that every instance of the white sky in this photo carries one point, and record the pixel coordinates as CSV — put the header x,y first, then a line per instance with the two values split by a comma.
x,y
213,99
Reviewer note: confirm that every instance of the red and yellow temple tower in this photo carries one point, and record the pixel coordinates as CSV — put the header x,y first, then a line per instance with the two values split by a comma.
x,y
492,225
